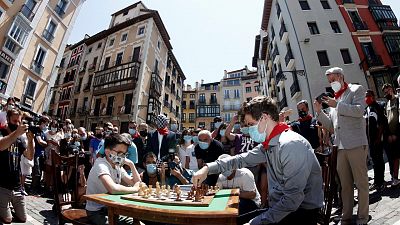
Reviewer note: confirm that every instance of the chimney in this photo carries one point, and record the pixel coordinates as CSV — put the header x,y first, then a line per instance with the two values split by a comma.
x,y
189,87
202,81
225,74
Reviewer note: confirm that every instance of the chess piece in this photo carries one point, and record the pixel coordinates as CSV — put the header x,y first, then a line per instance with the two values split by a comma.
x,y
197,196
178,193
150,189
168,191
141,189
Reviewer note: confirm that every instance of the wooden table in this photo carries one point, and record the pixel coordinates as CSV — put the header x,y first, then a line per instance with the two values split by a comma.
x,y
223,210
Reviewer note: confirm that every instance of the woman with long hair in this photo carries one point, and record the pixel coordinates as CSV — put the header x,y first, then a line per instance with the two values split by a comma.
x,y
186,151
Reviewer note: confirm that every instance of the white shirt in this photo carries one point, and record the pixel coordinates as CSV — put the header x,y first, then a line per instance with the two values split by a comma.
x,y
188,151
160,138
244,180
95,186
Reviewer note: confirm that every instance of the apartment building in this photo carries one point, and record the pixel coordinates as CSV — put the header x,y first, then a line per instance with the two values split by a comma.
x,y
207,104
35,34
189,97
251,86
304,39
124,72
376,34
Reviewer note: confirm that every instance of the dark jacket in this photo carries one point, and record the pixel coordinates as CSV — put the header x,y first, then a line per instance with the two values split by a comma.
x,y
168,142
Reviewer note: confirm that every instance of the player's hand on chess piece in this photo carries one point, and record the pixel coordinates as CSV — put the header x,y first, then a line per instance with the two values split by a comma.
x,y
200,176
137,185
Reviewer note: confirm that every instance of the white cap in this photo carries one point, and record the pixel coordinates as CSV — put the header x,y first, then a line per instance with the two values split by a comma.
x,y
334,70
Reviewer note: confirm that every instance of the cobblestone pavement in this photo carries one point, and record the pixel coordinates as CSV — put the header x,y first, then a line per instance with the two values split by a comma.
x,y
384,207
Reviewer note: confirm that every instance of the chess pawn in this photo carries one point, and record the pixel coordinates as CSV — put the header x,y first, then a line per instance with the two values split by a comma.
x,y
168,192
140,192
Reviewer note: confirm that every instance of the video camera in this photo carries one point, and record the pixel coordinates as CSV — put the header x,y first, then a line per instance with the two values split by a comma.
x,y
31,125
169,159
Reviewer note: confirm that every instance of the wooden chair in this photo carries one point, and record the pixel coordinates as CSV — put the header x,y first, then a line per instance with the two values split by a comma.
x,y
329,184
66,189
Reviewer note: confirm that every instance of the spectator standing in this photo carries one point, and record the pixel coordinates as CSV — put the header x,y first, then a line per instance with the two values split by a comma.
x,y
306,125
139,142
347,121
376,122
40,145
14,142
3,114
217,122
391,134
161,140
94,143
186,151
228,145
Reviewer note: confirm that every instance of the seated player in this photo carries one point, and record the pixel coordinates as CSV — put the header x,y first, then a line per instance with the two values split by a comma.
x,y
244,180
152,175
107,174
178,174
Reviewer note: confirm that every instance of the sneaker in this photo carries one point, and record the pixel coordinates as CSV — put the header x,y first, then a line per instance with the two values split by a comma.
x,y
395,182
377,187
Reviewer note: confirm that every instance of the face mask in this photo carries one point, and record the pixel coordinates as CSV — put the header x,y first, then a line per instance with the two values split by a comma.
x,y
336,86
174,127
143,133
222,132
132,131
99,136
108,133
203,145
9,107
302,114
116,159
236,126
45,129
151,168
187,138
77,144
369,100
388,97
83,137
226,173
67,135
54,129
244,130
12,127
217,124
257,136
195,139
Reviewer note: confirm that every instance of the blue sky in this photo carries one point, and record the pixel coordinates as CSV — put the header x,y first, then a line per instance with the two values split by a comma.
x,y
208,36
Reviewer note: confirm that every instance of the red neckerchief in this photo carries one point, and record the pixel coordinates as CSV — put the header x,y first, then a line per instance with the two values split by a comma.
x,y
341,91
136,135
307,118
163,131
278,129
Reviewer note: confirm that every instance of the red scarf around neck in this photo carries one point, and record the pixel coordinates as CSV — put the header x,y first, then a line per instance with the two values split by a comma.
x,y
307,118
278,129
136,135
341,91
163,131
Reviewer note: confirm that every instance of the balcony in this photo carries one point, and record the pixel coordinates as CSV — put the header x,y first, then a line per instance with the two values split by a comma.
x,y
231,107
279,77
155,85
388,26
86,87
294,89
37,67
60,11
92,67
48,36
283,34
347,1
27,12
178,98
68,79
202,101
191,120
382,13
360,25
116,79
213,101
192,106
82,70
275,54
109,111
289,59
77,89
166,104
374,61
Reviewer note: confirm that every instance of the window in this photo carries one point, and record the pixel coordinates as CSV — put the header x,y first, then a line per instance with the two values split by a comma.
x,y
325,4
125,13
40,55
202,124
118,60
192,104
184,117
48,33
202,98
335,27
19,31
1,13
226,94
90,50
99,45
313,27
30,88
107,62
3,70
248,89
236,93
111,43
346,56
158,44
208,111
124,37
304,5
136,54
156,66
61,7
213,98
323,58
192,96
141,30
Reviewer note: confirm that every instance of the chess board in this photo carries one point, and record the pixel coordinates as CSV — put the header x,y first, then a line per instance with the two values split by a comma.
x,y
171,200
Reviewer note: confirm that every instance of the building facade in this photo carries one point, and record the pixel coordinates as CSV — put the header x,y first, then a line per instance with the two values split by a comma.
x,y
125,73
376,35
305,38
189,97
207,104
36,32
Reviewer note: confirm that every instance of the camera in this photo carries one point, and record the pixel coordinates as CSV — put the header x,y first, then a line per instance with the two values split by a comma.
x,y
31,126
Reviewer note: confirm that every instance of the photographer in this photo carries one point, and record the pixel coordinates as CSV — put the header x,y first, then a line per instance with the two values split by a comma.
x,y
152,175
40,145
14,142
177,173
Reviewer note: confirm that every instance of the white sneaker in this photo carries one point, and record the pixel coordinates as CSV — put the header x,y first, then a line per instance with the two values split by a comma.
x,y
395,182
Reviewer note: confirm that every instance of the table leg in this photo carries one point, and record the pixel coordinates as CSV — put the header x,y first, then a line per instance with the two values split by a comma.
x,y
111,217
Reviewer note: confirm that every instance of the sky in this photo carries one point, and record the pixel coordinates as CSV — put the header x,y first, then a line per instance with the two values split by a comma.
x,y
207,36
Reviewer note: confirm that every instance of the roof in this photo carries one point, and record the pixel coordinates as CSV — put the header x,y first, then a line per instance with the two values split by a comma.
x,y
127,8
256,50
208,84
266,14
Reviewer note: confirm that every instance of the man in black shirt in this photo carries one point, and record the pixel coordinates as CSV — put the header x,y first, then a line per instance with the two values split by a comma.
x,y
14,141
375,121
208,150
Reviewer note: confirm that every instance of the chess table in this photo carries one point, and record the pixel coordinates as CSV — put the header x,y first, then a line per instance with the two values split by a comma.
x,y
222,210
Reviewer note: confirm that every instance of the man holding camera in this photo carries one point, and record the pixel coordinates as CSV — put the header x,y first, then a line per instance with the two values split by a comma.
x,y
14,142
346,119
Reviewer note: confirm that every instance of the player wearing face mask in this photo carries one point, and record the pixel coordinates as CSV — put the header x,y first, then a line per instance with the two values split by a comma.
x,y
294,174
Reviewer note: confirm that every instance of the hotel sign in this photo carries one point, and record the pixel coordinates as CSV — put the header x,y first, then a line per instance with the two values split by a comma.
x,y
6,57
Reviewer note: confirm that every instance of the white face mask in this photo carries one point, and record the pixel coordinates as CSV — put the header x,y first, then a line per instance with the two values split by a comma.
x,y
336,86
